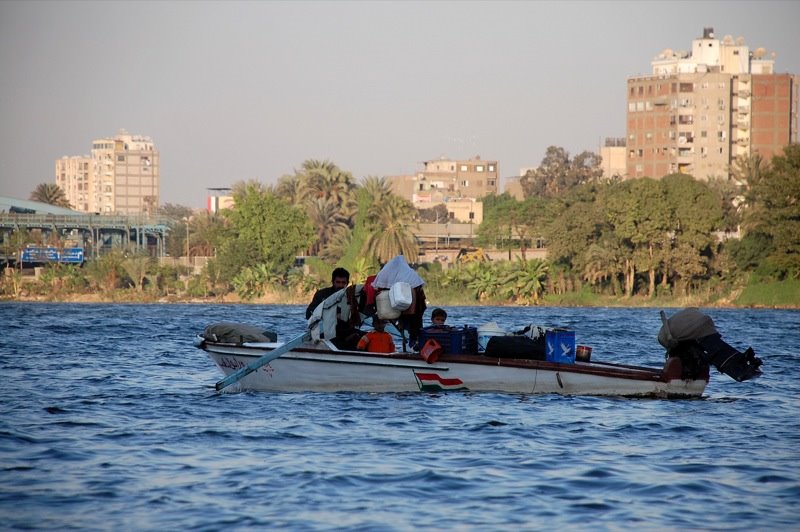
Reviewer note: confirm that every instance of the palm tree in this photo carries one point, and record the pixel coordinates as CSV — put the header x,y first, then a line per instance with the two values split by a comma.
x,y
288,188
602,264
323,179
325,216
337,246
389,230
377,188
51,194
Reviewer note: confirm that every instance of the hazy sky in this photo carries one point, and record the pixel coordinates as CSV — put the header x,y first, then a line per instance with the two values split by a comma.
x,y
231,91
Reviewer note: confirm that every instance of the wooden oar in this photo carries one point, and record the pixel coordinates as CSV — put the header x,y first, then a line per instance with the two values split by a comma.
x,y
262,360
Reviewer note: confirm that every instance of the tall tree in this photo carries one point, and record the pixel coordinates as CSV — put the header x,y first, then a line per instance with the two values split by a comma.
x,y
696,216
389,233
639,214
774,208
495,230
325,215
262,229
51,194
558,173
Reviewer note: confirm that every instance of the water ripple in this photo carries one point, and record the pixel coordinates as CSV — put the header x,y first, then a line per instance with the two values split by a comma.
x,y
111,424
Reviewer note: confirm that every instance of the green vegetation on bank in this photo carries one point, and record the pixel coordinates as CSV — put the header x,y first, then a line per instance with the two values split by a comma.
x,y
672,241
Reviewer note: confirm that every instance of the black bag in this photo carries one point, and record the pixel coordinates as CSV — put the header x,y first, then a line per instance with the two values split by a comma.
x,y
516,346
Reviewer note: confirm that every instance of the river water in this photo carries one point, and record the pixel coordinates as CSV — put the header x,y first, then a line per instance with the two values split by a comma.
x,y
109,422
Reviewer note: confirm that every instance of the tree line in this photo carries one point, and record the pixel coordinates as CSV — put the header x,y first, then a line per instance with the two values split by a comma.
x,y
640,237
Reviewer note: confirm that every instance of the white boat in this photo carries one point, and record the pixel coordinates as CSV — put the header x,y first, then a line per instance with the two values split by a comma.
x,y
321,367
312,362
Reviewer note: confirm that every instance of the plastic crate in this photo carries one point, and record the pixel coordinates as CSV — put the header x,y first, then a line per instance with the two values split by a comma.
x,y
560,346
457,341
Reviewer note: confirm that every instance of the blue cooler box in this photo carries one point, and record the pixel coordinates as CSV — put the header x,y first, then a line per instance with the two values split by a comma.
x,y
454,341
560,346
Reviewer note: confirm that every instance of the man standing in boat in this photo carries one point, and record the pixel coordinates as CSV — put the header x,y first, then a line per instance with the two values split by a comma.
x,y
340,278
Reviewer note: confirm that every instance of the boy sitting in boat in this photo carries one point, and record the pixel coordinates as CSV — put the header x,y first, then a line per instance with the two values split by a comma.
x,y
377,341
438,317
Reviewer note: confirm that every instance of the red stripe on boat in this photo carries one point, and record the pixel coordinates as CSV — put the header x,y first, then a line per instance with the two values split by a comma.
x,y
427,377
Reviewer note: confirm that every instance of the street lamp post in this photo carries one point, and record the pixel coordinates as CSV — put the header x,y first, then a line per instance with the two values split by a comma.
x,y
187,238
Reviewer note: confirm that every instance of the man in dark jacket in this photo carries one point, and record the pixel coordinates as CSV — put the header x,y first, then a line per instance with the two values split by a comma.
x,y
340,278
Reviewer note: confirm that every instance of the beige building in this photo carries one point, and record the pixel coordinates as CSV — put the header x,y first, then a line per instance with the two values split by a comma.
x,y
514,188
700,110
456,184
445,179
121,176
613,161
73,176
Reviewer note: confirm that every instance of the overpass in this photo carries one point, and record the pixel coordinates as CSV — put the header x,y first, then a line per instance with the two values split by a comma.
x,y
93,232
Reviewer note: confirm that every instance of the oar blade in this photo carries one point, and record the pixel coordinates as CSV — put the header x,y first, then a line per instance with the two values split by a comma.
x,y
262,360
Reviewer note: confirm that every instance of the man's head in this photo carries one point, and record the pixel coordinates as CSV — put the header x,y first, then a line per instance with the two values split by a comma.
x,y
340,278
438,316
379,324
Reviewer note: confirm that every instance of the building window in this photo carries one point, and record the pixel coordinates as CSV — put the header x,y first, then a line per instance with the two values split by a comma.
x,y
490,183
121,158
465,183
491,168
639,168
632,107
479,168
463,167
704,134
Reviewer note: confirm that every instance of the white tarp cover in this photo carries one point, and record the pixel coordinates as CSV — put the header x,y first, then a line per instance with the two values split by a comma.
x,y
322,323
397,270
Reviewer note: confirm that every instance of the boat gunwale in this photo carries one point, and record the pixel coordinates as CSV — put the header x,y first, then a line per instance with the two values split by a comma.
x,y
604,369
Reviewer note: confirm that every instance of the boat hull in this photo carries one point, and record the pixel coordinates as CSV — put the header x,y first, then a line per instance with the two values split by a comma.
x,y
322,368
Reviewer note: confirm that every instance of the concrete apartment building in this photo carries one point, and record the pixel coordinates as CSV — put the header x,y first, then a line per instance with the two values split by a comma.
x,y
700,110
455,183
121,176
612,154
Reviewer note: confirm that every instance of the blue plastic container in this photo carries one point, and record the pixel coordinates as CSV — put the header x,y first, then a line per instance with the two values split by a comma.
x,y
455,341
560,346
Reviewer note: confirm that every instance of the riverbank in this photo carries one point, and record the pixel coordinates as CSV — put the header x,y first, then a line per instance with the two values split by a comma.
x,y
770,295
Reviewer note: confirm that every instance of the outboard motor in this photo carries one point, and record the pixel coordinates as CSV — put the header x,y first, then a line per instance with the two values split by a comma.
x,y
691,336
